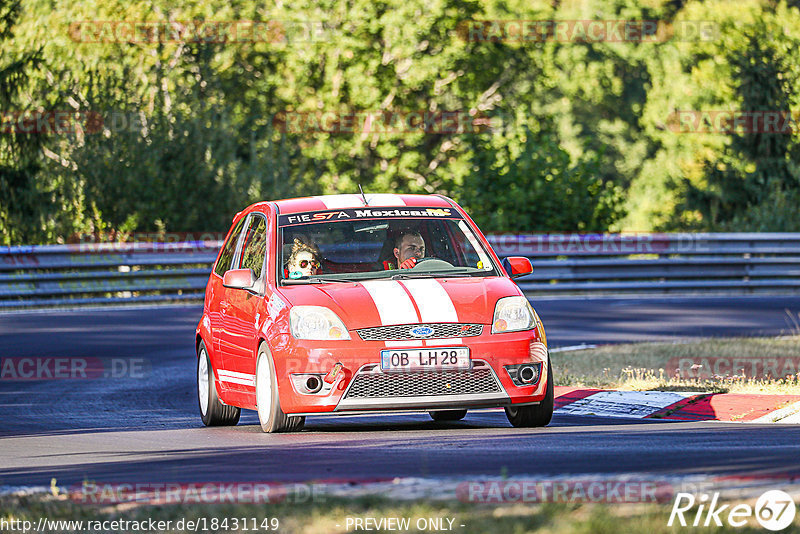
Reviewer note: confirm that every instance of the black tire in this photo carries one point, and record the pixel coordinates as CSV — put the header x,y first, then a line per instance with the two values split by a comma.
x,y
538,414
268,404
214,413
448,415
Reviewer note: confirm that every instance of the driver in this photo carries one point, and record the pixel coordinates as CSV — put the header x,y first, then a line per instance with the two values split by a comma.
x,y
409,248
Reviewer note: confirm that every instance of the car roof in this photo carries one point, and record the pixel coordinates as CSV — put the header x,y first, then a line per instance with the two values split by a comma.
x,y
382,200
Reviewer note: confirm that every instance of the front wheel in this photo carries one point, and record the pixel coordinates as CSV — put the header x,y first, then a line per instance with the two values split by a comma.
x,y
212,411
538,414
270,415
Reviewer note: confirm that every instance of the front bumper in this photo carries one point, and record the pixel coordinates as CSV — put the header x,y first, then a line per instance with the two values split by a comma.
x,y
478,387
363,387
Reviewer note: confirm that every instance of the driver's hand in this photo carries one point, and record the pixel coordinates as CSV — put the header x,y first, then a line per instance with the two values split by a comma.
x,y
409,263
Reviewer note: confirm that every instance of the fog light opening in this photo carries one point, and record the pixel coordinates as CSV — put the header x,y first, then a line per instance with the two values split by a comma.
x,y
527,374
313,384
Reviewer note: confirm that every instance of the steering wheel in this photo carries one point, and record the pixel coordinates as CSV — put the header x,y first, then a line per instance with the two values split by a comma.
x,y
428,258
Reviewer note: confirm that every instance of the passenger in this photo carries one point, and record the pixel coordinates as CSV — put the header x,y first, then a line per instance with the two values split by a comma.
x,y
303,260
409,248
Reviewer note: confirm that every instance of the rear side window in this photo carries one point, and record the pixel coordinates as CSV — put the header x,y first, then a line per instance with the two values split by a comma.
x,y
255,246
229,249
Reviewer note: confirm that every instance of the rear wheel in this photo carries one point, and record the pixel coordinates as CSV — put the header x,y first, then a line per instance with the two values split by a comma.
x,y
212,411
538,414
448,415
270,415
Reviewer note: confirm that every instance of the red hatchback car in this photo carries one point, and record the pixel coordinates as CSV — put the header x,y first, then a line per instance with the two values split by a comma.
x,y
345,304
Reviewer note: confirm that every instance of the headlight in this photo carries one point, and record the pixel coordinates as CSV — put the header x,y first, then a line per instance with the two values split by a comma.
x,y
513,314
316,322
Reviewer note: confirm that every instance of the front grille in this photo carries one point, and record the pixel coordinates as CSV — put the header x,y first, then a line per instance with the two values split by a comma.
x,y
387,385
402,331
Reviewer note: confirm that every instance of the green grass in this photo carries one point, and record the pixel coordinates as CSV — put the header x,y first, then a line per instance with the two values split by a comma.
x,y
652,366
331,515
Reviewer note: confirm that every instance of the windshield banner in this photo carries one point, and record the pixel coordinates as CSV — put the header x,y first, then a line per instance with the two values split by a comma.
x,y
310,217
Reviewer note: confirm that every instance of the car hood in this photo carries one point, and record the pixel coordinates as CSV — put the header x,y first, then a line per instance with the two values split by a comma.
x,y
427,300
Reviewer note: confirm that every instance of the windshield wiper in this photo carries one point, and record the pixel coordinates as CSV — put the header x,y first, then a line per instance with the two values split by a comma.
x,y
481,273
407,276
314,280
442,274
470,274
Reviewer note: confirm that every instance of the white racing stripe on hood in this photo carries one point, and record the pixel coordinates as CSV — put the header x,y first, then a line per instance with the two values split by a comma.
x,y
435,306
394,305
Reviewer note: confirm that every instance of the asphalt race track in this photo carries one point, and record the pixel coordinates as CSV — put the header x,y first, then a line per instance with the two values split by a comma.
x,y
144,426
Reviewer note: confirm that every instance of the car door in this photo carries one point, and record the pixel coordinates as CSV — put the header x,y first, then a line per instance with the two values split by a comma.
x,y
215,292
241,315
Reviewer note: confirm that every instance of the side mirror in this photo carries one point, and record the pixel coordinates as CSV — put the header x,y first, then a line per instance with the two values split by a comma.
x,y
517,266
239,279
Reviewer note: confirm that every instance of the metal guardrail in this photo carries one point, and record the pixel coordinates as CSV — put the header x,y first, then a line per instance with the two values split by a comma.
x,y
104,273
656,263
70,275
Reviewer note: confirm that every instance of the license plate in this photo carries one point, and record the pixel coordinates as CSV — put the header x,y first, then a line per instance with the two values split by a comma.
x,y
425,359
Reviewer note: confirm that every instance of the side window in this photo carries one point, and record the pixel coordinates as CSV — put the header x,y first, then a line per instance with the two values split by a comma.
x,y
228,249
255,246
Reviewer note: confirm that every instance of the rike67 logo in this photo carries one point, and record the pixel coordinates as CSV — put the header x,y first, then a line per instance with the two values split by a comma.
x,y
774,510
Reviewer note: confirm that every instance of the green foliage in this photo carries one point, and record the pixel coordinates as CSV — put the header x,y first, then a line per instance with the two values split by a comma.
x,y
525,180
726,181
18,151
190,134
754,184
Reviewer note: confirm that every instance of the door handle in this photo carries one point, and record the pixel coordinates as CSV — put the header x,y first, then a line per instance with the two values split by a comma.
x,y
224,306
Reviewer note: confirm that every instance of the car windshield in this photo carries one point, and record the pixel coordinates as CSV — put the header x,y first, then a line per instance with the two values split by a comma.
x,y
370,243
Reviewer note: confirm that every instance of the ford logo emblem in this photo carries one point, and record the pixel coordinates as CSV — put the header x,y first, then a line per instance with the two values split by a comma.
x,y
421,331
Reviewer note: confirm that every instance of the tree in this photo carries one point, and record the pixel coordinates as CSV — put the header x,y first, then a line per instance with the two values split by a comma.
x,y
754,185
21,202
523,181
